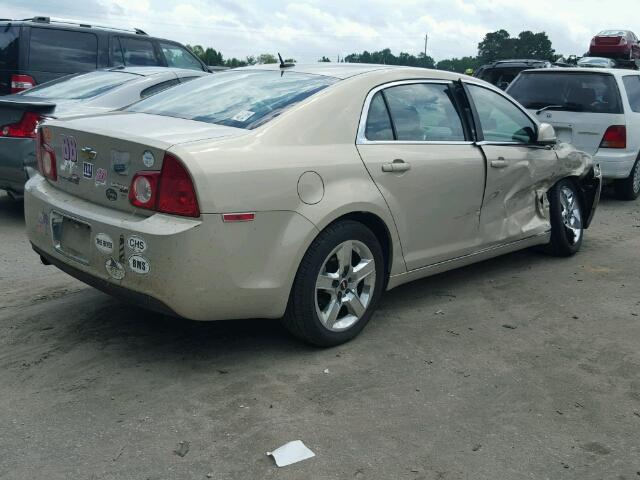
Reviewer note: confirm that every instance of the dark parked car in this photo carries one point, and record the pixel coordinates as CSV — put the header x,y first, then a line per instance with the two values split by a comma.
x,y
620,44
502,72
39,50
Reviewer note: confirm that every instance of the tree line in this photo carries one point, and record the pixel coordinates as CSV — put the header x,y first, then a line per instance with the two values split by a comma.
x,y
498,45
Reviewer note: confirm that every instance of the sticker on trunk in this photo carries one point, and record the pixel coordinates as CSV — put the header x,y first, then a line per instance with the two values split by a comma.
x,y
104,243
120,162
69,149
243,116
87,170
111,194
137,244
101,176
115,269
148,159
138,264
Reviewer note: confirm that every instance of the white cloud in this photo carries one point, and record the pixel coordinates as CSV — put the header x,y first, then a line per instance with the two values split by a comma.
x,y
307,30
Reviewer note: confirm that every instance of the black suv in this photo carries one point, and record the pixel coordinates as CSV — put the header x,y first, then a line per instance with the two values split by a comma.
x,y
502,72
39,49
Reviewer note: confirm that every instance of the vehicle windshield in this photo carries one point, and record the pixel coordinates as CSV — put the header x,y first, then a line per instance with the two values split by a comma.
x,y
572,92
79,87
9,47
242,99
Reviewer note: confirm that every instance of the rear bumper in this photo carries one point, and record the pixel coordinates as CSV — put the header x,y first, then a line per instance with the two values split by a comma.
x,y
615,164
202,269
610,50
16,155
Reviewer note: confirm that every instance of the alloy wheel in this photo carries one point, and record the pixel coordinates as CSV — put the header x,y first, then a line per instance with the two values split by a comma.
x,y
571,215
345,285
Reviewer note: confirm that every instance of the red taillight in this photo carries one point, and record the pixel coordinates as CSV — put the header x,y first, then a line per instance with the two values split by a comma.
x,y
25,128
615,137
169,191
46,158
20,83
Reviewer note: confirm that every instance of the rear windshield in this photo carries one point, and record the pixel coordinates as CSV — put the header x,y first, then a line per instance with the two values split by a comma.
x,y
501,76
9,47
571,92
242,99
77,87
613,33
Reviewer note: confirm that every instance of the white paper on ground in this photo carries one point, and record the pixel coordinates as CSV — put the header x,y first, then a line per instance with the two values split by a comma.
x,y
290,453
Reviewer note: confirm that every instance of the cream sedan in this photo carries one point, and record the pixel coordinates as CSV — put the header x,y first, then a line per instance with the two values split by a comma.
x,y
301,192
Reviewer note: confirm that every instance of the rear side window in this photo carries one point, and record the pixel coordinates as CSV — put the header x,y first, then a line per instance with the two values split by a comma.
x,y
241,98
9,37
424,112
61,51
76,87
378,121
571,92
632,86
138,52
179,57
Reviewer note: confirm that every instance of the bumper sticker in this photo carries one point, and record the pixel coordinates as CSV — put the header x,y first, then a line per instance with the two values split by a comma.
x,y
120,162
101,176
115,269
87,170
148,159
138,264
104,243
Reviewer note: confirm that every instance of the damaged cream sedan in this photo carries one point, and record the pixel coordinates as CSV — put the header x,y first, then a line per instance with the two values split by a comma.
x,y
301,192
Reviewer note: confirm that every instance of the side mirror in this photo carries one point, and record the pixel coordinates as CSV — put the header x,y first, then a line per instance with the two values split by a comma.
x,y
546,135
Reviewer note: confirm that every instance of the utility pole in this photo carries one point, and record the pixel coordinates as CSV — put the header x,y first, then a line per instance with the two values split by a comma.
x,y
426,40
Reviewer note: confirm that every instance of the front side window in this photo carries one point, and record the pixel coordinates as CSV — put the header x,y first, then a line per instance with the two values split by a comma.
x,y
632,86
241,98
424,112
567,91
138,52
61,51
500,120
179,57
76,87
378,120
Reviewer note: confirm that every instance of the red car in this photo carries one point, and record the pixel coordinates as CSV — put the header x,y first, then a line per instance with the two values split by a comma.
x,y
620,44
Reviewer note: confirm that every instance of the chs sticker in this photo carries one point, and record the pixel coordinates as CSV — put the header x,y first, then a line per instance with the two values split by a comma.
x,y
148,159
115,269
139,264
137,244
104,243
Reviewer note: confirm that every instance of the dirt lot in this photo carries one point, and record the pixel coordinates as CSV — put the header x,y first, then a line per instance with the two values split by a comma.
x,y
519,367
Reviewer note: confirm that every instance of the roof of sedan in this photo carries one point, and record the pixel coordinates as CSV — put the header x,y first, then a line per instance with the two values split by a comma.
x,y
150,71
346,70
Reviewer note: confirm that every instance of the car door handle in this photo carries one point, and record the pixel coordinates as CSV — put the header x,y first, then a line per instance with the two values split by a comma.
x,y
398,165
499,163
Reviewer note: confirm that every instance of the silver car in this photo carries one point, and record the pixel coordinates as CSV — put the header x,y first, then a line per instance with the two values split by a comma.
x,y
302,192
74,95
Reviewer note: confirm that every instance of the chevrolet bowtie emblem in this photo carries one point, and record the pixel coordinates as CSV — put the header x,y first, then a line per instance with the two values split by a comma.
x,y
88,153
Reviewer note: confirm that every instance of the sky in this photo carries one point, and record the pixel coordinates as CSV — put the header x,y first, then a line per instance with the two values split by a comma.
x,y
307,30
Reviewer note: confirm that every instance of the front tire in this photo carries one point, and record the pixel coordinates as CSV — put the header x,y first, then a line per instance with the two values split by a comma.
x,y
338,285
567,214
629,188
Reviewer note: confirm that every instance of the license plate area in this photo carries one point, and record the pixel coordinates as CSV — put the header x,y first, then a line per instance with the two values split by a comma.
x,y
71,237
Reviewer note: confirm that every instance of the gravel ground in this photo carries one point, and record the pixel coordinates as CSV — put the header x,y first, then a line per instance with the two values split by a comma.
x,y
520,367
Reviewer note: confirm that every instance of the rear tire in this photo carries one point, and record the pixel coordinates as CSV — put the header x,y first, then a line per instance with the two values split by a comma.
x,y
629,188
566,214
338,285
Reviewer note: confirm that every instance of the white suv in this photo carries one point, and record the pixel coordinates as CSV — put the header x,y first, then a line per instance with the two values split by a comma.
x,y
596,110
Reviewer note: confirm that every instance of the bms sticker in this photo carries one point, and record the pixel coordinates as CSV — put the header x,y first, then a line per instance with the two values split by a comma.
x,y
148,159
138,264
115,269
137,244
101,176
104,243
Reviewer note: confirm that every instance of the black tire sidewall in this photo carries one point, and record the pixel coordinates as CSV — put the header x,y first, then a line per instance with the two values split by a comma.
x,y
560,244
302,303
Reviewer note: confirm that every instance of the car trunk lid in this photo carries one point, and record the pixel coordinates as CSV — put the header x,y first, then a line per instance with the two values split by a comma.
x,y
606,40
97,157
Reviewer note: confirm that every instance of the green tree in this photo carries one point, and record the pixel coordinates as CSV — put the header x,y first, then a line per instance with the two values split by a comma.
x,y
324,59
459,65
264,58
500,45
535,45
496,46
386,57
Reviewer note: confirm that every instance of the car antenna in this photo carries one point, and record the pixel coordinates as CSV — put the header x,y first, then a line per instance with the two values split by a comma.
x,y
284,65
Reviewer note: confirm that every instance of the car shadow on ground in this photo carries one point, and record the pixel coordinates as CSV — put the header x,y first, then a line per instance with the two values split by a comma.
x,y
11,211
